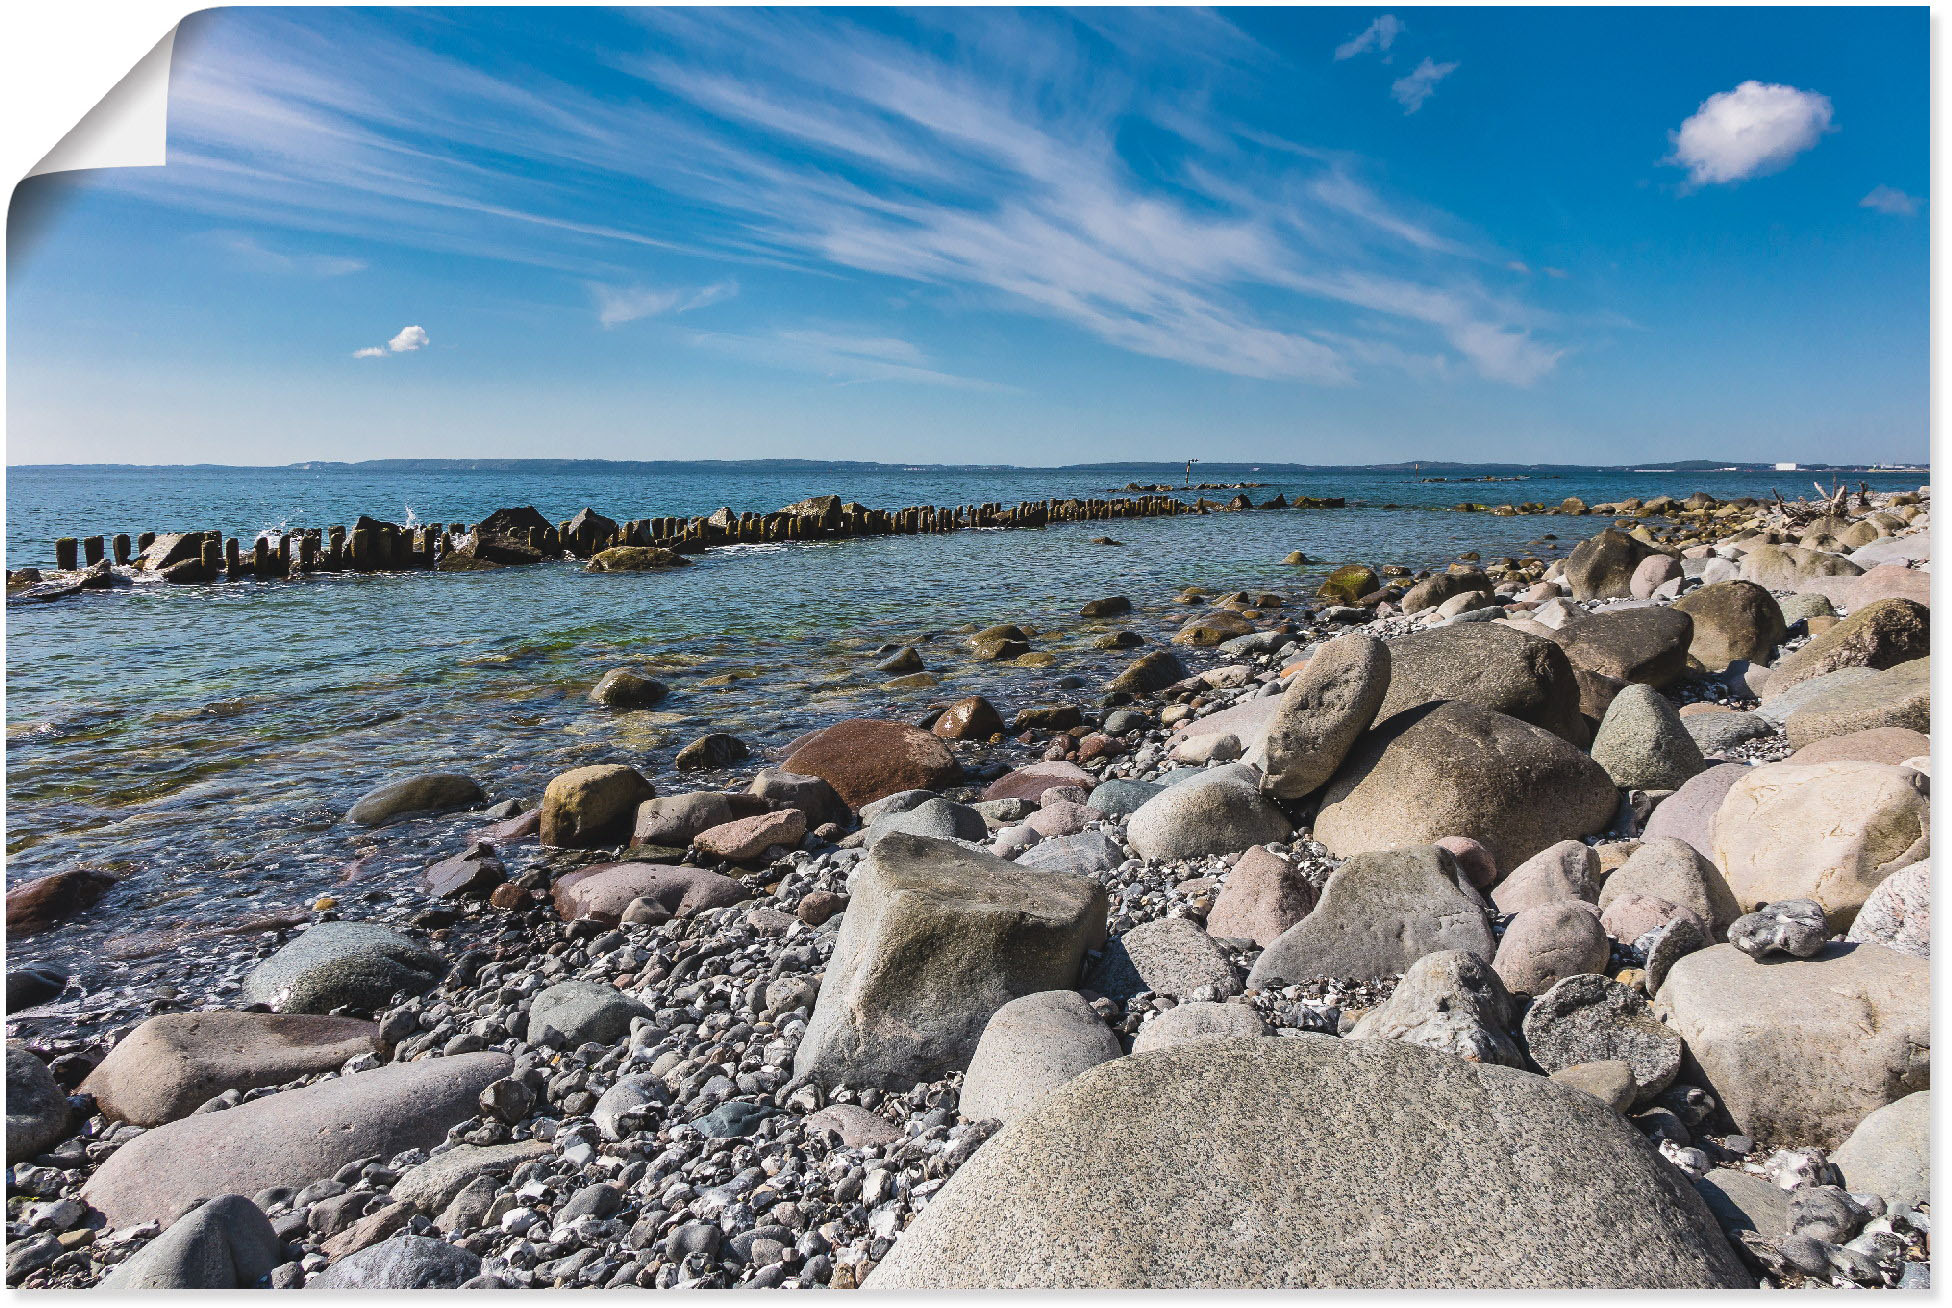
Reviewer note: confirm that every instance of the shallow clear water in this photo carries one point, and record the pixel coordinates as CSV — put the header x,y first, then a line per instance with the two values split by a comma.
x,y
203,741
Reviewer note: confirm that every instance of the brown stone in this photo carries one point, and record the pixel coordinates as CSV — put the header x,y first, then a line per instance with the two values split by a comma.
x,y
604,890
1264,896
974,718
174,1063
38,904
865,759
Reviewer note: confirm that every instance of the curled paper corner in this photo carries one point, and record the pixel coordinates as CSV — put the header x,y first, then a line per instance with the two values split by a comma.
x,y
127,128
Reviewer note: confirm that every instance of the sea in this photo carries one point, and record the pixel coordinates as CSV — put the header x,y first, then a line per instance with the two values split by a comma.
x,y
202,743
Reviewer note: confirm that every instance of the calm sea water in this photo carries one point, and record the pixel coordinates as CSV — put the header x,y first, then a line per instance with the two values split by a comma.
x,y
202,742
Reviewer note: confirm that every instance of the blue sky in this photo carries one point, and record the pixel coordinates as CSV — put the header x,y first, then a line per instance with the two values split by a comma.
x,y
1317,235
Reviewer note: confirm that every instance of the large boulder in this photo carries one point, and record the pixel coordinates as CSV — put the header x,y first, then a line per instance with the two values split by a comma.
x,y
1225,1164
1455,769
226,1244
1379,913
37,1111
637,558
778,788
936,939
1823,831
969,718
430,792
174,1063
1898,914
405,1262
1439,587
1452,1002
1264,895
1879,635
1896,697
1204,817
1800,1051
1567,870
358,965
864,759
583,1012
1031,781
1030,1047
1166,956
1587,1018
604,890
1670,869
1325,707
292,1138
1791,567
1183,1024
1149,672
1489,665
1547,943
593,807
42,902
1689,813
1892,745
1602,566
1890,1153
1642,743
1734,621
1645,645
674,821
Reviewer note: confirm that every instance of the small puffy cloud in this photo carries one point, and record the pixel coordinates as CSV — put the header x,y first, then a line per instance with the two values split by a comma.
x,y
410,338
1757,128
370,352
616,305
1377,36
1889,199
1419,84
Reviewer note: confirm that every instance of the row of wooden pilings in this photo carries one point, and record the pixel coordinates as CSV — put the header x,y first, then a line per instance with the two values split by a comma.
x,y
372,546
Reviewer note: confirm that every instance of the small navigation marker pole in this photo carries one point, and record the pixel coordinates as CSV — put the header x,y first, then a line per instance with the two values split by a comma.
x,y
1189,473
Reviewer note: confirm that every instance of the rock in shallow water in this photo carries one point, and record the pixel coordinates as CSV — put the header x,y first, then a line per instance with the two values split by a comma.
x,y
37,1109
432,792
360,965
1105,1186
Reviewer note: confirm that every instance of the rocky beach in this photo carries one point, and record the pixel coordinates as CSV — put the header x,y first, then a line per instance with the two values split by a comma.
x,y
1556,919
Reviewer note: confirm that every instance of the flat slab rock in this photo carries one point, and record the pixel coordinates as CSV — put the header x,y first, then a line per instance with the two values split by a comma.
x,y
604,890
292,1138
174,1063
1310,1162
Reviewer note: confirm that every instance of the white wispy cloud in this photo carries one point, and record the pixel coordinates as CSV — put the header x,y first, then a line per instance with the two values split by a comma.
x,y
1377,36
370,352
1889,199
841,357
254,254
983,162
616,305
1757,128
1419,84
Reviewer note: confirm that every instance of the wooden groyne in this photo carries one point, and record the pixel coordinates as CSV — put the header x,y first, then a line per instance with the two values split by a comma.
x,y
514,537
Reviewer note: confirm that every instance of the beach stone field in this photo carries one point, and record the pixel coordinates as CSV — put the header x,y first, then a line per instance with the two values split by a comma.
x,y
1519,924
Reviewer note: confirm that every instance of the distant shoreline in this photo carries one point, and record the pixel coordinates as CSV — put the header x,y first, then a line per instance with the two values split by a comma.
x,y
1207,470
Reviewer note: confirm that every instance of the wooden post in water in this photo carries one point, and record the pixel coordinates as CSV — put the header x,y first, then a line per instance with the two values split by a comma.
x,y
145,540
233,566
92,550
212,556
66,553
122,549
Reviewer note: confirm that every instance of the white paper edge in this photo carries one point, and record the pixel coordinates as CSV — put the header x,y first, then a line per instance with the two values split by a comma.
x,y
127,128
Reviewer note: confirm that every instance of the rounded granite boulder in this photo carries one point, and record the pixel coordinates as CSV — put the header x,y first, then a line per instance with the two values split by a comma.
x,y
1313,1163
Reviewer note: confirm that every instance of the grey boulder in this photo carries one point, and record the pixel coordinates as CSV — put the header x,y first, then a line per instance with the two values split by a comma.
x,y
292,1138
406,1262
583,1012
1030,1047
1166,956
1204,816
1109,1184
1450,1002
1379,913
1671,869
1792,928
37,1108
1455,769
935,940
1890,1153
1492,666
431,792
1643,744
1591,1019
225,1244
1326,706
360,965
1199,1020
